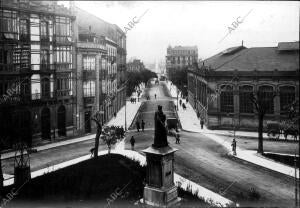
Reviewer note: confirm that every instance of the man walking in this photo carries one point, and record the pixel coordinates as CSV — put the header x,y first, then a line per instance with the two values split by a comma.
x,y
177,137
132,141
155,96
233,146
143,125
202,123
137,123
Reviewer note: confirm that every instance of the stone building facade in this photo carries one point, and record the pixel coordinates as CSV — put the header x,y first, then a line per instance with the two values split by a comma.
x,y
110,86
36,71
180,57
221,86
135,65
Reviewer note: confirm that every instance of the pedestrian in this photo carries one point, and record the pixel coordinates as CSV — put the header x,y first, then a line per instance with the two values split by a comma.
x,y
233,146
187,100
122,131
177,137
137,123
183,106
180,102
198,114
155,96
115,114
132,141
143,125
202,123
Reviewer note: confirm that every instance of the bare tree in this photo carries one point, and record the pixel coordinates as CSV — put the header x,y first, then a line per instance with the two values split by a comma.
x,y
97,119
262,102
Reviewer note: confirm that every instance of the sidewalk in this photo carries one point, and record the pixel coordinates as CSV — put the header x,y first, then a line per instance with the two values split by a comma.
x,y
190,122
131,110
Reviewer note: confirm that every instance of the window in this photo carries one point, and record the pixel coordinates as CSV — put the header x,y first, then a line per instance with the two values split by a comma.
x,y
8,23
226,98
89,88
62,28
287,96
44,30
45,87
89,63
24,26
64,84
44,59
266,95
245,93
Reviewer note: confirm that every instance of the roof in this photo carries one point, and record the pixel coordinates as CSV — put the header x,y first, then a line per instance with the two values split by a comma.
x,y
99,26
288,46
184,48
249,59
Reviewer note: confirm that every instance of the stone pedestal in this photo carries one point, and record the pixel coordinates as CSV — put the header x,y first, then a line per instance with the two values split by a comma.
x,y
160,190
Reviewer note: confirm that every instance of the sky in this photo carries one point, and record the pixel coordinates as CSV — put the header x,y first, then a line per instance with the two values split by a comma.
x,y
212,26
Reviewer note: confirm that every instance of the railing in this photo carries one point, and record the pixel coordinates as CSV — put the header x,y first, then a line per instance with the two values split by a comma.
x,y
91,45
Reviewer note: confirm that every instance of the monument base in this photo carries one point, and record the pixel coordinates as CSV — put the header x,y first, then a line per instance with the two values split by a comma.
x,y
161,197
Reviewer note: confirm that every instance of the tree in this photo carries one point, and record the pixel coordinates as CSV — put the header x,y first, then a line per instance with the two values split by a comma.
x,y
179,78
262,103
109,137
135,78
97,120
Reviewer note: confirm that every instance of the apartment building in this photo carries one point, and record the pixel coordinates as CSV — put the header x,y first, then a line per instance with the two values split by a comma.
x,y
36,71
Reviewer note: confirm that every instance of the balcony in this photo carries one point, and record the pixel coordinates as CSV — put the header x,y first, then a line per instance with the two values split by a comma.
x,y
63,93
91,45
14,68
45,39
88,101
25,37
89,74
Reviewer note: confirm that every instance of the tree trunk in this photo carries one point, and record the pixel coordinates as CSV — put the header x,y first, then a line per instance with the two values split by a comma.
x,y
260,134
1,175
99,130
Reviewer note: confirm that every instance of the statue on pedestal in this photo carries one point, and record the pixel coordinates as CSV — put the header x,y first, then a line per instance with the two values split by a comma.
x,y
160,131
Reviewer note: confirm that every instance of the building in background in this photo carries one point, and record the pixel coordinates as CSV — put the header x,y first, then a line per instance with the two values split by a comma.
x,y
112,65
91,54
180,57
135,65
121,67
36,71
221,86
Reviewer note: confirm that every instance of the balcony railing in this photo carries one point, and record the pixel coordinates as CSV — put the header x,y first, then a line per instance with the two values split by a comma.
x,y
91,45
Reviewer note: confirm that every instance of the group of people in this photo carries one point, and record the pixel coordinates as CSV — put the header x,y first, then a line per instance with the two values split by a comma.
x,y
138,125
119,130
183,104
133,100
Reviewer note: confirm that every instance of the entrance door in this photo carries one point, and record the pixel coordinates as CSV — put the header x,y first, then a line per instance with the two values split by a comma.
x,y
46,124
61,120
87,122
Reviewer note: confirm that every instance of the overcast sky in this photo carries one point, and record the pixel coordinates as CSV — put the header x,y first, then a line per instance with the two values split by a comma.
x,y
201,23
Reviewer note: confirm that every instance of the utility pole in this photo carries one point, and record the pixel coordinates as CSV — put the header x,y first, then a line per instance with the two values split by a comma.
x,y
296,182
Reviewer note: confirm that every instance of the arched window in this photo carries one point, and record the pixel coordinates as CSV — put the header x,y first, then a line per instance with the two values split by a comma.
x,y
226,99
246,105
287,96
266,94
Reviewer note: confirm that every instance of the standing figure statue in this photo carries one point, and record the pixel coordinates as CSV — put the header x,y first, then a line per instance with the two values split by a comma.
x,y
160,131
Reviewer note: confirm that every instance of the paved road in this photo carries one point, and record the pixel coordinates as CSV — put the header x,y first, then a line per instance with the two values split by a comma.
x,y
205,162
198,159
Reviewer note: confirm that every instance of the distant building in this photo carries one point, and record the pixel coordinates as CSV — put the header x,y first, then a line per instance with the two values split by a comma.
x,y
135,66
36,71
180,57
220,87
